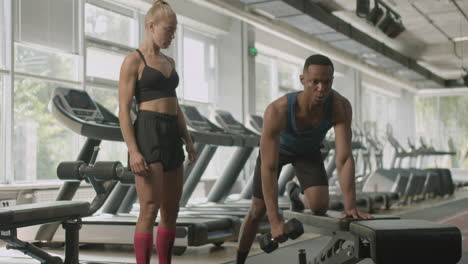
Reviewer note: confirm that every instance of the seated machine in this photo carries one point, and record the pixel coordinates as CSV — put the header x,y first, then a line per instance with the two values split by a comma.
x,y
384,239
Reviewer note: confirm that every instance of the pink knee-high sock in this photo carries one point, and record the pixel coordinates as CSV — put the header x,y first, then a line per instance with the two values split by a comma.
x,y
143,245
164,242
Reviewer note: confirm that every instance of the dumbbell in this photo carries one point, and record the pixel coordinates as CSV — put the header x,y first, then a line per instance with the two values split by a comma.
x,y
292,229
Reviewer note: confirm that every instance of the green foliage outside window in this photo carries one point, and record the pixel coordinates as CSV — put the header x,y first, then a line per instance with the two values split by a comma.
x,y
442,118
39,140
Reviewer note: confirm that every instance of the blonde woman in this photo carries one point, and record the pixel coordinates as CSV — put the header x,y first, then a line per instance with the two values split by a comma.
x,y
155,141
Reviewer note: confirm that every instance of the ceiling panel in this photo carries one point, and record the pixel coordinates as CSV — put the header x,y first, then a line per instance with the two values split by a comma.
x,y
277,8
427,35
351,46
409,74
334,36
463,5
435,6
453,23
252,1
426,84
308,24
385,62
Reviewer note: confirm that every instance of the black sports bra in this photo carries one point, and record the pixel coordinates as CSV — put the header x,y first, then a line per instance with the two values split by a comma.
x,y
154,84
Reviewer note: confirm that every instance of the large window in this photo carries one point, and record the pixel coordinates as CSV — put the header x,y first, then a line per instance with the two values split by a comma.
x,y
3,33
40,142
103,63
2,153
440,119
199,67
274,78
288,77
379,109
110,26
264,83
111,34
42,62
49,23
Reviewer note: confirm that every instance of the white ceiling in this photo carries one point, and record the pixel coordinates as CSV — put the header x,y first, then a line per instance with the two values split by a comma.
x,y
430,27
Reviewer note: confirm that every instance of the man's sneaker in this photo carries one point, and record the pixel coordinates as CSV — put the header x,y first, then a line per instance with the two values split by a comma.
x,y
294,190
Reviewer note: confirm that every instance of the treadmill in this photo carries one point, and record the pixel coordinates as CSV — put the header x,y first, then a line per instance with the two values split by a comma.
x,y
221,189
244,141
77,111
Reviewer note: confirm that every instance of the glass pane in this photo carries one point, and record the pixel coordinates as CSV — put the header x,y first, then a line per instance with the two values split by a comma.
x,y
440,119
107,97
103,63
196,83
40,143
3,33
378,110
46,63
2,147
110,150
107,25
263,86
287,76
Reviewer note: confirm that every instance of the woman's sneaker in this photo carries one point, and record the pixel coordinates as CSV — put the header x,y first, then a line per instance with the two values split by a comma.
x,y
294,190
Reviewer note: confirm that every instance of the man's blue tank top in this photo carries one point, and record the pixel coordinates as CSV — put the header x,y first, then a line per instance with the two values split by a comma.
x,y
294,142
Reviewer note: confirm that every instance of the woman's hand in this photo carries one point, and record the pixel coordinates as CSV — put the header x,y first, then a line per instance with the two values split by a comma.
x,y
138,164
191,153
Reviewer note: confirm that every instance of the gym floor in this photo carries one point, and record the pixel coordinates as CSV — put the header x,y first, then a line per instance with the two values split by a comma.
x,y
226,253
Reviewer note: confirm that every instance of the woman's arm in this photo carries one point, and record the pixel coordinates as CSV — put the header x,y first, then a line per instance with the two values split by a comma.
x,y
127,81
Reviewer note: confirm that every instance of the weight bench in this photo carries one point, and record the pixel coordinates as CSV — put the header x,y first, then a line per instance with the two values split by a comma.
x,y
67,212
384,239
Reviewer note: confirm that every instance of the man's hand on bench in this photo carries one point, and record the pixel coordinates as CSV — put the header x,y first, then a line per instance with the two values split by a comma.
x,y
356,214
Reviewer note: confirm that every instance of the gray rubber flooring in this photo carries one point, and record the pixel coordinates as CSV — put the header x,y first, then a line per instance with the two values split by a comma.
x,y
438,212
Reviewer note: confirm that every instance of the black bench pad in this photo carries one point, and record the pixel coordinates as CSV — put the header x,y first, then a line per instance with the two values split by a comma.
x,y
410,241
39,213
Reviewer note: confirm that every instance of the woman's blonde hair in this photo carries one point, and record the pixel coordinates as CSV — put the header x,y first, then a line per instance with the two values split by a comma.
x,y
159,9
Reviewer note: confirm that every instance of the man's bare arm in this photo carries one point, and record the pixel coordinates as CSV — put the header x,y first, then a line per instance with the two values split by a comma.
x,y
344,154
269,150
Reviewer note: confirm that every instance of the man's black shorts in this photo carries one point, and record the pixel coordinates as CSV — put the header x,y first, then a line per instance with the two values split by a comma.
x,y
309,168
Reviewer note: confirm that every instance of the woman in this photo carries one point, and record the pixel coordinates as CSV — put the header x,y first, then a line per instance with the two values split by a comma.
x,y
155,140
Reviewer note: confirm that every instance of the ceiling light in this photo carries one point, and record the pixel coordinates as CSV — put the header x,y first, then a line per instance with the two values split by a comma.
x,y
395,29
457,39
362,8
375,15
386,22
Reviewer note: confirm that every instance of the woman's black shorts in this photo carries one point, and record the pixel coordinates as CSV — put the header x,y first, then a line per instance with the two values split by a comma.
x,y
309,168
159,139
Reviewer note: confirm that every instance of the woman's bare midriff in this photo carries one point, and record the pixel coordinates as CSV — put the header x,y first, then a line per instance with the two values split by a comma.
x,y
162,105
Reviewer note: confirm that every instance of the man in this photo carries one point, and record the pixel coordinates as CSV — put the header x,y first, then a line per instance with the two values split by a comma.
x,y
293,130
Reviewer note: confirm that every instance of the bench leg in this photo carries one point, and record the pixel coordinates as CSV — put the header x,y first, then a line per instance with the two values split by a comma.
x,y
9,236
343,249
72,230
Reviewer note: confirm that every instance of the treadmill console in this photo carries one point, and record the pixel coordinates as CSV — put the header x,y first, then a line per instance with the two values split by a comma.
x,y
79,103
194,119
255,123
228,123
